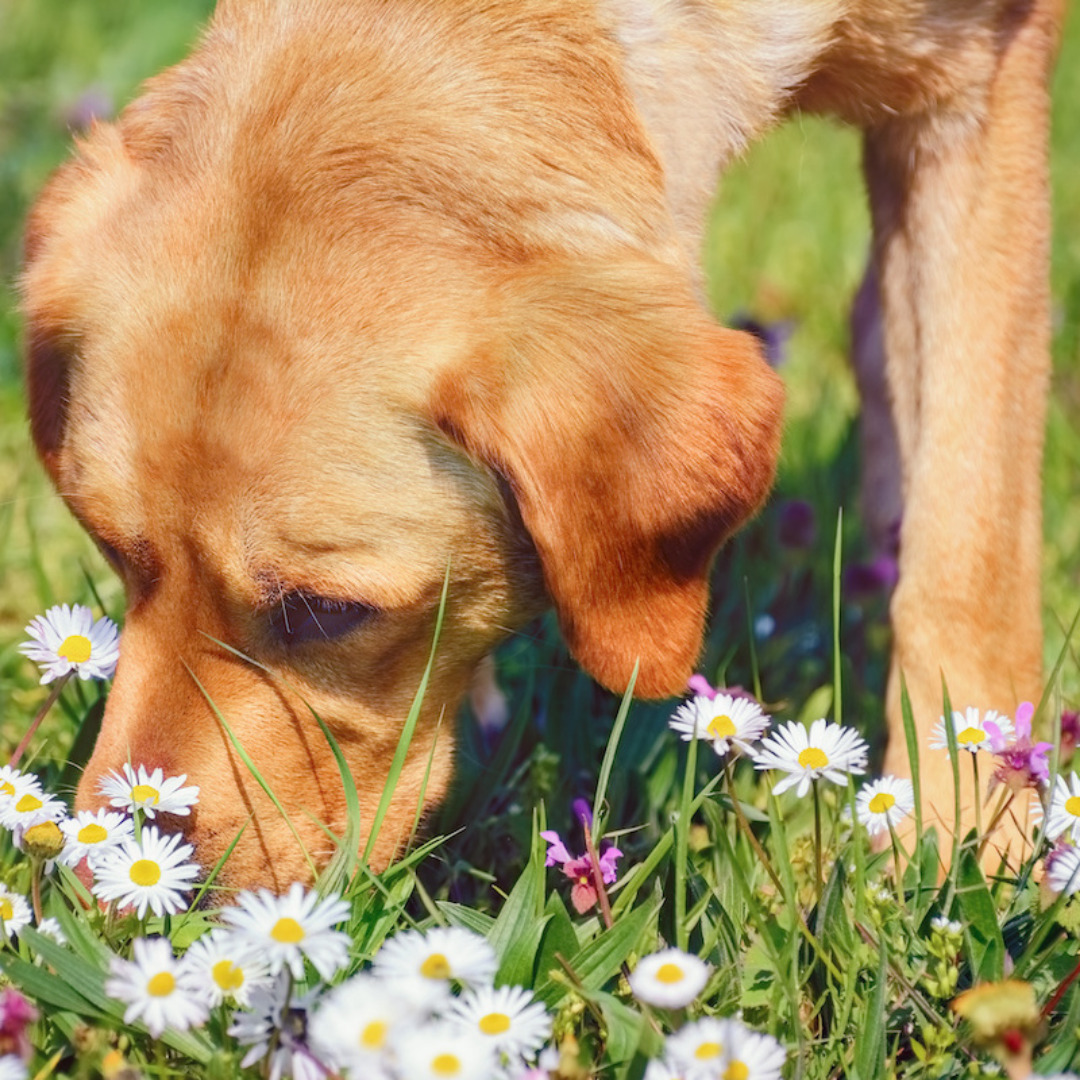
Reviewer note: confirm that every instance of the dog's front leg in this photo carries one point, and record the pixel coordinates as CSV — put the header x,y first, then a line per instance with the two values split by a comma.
x,y
961,236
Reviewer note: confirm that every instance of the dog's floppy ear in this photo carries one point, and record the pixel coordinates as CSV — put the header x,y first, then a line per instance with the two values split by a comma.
x,y
635,434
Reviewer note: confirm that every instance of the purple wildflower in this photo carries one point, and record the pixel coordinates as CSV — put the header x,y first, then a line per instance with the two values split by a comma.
x,y
16,1015
579,869
1022,763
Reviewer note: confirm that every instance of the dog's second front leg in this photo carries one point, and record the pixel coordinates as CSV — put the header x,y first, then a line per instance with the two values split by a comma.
x,y
961,218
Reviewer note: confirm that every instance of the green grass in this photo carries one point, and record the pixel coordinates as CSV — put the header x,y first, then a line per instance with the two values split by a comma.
x,y
849,983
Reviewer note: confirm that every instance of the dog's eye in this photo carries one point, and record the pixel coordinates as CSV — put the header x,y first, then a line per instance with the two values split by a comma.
x,y
301,617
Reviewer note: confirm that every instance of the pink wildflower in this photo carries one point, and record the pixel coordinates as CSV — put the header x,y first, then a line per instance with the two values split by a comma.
x,y
578,868
1023,764
16,1015
698,684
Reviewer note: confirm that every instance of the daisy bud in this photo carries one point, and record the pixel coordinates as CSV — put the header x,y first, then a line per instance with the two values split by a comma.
x,y
44,840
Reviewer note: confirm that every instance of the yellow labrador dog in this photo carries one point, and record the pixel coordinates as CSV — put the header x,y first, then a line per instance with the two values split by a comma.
x,y
364,288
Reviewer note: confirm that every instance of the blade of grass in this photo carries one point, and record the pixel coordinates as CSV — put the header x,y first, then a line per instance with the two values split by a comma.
x,y
599,813
911,736
838,704
682,842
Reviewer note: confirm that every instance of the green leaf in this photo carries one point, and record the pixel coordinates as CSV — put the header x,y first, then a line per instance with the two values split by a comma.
x,y
600,959
986,945
520,926
625,1027
49,989
466,917
870,1046
559,937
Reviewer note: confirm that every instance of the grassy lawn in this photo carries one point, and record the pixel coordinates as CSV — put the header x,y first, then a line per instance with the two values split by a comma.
x,y
790,233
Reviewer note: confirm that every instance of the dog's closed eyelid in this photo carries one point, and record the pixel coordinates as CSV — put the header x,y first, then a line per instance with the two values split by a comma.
x,y
299,618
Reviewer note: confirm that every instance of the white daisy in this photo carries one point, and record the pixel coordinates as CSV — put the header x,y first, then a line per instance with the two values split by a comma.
x,y
1063,869
444,953
884,803
1063,817
90,832
223,968
749,1055
30,809
67,639
670,979
698,1048
12,1067
151,792
152,872
14,784
285,929
662,1070
827,751
352,1026
970,728
155,988
275,1026
439,1051
14,911
723,721
507,1017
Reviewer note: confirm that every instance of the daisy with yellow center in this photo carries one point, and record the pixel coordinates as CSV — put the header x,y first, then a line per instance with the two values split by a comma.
x,y
697,1048
151,793
1063,869
443,954
14,911
15,784
670,979
884,803
31,807
155,988
222,969
971,731
506,1017
67,639
824,752
749,1055
725,722
442,1051
152,873
284,930
353,1027
90,832
1063,815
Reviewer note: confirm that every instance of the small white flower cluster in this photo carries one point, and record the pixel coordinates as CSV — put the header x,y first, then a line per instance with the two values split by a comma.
x,y
152,872
709,1048
731,724
426,1008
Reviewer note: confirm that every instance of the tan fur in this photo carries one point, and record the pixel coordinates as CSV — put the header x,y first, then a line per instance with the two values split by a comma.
x,y
367,289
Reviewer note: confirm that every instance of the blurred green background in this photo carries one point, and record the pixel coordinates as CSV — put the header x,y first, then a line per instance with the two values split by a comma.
x,y
790,239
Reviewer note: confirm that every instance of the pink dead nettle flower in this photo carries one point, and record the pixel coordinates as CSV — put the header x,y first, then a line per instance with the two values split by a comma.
x,y
698,684
578,868
16,1015
1023,764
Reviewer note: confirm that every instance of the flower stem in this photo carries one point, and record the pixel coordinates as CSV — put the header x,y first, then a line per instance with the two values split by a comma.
x,y
36,867
50,701
897,866
598,880
978,797
818,872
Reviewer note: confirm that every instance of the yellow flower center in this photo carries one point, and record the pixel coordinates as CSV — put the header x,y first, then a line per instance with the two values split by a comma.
x,y
882,802
288,931
721,727
1072,806
813,758
494,1023
6,910
669,973
227,975
145,872
706,1051
970,735
737,1070
446,1065
75,649
144,793
436,966
161,985
28,803
7,787
92,833
373,1037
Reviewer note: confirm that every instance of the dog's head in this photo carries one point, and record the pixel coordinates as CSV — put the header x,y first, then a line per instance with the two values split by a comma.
x,y
332,308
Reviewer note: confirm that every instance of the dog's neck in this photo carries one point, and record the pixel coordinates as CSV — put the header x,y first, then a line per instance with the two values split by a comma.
x,y
702,106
